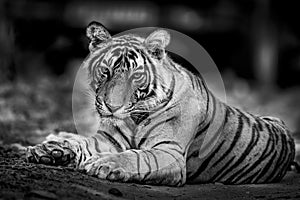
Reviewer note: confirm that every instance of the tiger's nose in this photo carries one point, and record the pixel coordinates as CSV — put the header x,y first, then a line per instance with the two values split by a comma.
x,y
112,108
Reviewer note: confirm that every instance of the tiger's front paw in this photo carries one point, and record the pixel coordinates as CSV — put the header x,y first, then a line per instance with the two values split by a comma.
x,y
107,167
51,153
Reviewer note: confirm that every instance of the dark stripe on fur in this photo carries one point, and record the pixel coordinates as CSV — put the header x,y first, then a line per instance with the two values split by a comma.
x,y
147,162
155,159
80,157
202,130
252,143
266,169
142,141
96,144
138,163
87,147
206,162
263,156
123,136
229,180
166,142
111,140
232,145
250,178
280,159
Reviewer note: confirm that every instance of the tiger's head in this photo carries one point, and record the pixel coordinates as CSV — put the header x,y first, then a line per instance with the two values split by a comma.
x,y
128,74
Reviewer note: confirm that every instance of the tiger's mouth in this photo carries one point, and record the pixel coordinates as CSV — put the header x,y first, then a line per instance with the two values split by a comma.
x,y
104,111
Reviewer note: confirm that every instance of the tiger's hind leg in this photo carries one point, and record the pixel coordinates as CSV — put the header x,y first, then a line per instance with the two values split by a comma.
x,y
58,150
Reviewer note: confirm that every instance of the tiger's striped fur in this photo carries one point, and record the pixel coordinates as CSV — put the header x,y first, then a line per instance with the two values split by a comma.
x,y
160,124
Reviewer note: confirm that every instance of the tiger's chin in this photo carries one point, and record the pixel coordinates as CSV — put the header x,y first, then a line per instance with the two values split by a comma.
x,y
115,116
117,120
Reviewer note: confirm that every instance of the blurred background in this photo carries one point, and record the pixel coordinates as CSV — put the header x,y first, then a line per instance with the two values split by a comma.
x,y
254,43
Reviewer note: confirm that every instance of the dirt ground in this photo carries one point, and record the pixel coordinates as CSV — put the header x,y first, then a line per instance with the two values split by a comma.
x,y
21,180
30,111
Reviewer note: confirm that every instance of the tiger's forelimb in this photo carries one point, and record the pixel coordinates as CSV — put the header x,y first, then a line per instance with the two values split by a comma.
x,y
158,159
155,166
162,164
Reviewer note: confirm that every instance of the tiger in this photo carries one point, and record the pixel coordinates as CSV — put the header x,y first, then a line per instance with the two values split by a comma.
x,y
159,123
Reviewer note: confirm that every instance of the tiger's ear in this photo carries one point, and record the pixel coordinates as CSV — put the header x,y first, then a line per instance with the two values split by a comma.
x,y
97,33
156,43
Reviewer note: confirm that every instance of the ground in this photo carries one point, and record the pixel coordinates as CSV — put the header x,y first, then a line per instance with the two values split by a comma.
x,y
30,111
21,180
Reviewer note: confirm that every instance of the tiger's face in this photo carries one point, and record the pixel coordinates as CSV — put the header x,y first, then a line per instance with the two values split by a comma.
x,y
125,73
124,82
